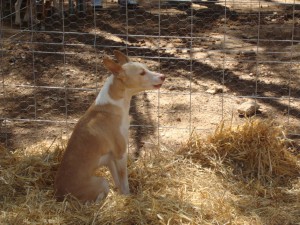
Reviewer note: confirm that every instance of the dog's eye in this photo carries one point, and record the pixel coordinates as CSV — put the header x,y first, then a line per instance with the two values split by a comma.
x,y
143,73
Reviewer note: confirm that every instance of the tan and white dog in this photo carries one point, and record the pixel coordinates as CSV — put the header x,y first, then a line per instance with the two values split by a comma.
x,y
100,136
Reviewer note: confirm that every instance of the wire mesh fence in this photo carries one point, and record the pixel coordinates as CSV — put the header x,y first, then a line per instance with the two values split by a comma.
x,y
215,54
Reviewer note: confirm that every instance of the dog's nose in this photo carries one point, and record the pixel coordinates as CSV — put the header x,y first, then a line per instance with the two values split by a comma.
x,y
163,77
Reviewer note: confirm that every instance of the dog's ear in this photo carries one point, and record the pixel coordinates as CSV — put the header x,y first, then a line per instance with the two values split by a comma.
x,y
121,58
112,66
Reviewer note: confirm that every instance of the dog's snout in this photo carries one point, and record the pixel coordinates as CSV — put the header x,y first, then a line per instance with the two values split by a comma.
x,y
163,77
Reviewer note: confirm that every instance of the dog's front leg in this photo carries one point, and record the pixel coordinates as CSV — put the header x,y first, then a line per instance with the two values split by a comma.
x,y
121,165
114,173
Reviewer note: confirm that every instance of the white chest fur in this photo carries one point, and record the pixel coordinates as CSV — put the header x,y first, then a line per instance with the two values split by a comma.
x,y
104,98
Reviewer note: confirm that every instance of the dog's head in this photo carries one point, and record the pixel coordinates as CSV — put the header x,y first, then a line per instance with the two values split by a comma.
x,y
134,75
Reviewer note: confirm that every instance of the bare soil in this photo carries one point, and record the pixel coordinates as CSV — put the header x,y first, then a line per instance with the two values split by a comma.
x,y
51,76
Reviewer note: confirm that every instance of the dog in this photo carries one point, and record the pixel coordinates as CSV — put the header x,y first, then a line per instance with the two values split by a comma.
x,y
100,137
30,12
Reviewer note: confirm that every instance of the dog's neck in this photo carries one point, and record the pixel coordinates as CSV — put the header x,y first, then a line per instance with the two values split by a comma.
x,y
114,92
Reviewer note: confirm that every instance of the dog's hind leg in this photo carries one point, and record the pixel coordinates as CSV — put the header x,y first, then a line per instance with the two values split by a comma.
x,y
94,191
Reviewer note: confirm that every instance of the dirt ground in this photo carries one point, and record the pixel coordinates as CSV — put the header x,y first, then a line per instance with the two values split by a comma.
x,y
50,76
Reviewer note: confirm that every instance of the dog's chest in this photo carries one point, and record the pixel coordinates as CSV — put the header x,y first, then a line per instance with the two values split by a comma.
x,y
124,127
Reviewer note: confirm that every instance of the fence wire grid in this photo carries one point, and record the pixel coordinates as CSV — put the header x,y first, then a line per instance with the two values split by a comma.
x,y
215,54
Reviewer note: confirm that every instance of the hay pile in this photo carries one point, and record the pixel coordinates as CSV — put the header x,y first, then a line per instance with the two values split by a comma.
x,y
167,188
164,190
256,150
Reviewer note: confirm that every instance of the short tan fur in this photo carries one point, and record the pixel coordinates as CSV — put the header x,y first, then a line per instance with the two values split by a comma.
x,y
100,136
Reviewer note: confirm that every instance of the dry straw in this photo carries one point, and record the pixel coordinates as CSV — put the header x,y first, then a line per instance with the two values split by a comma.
x,y
256,150
167,188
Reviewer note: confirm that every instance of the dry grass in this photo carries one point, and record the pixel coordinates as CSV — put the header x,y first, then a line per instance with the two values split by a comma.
x,y
167,188
256,151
